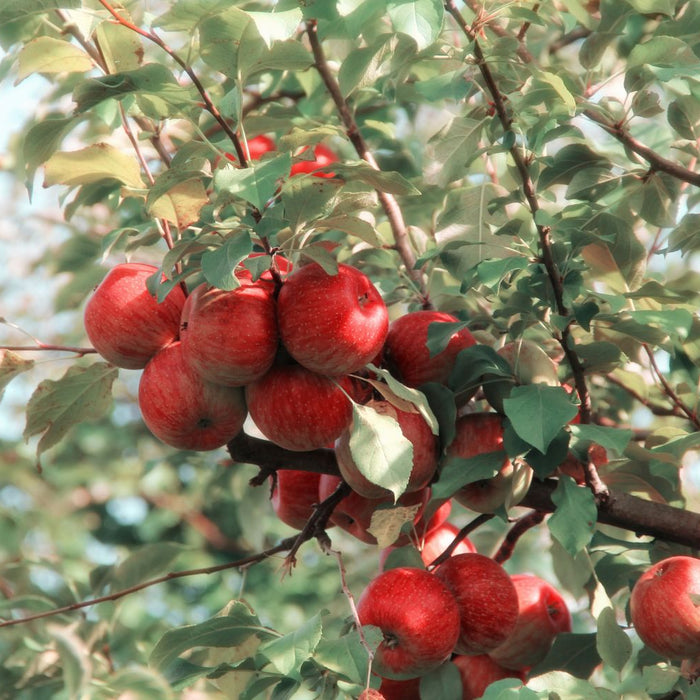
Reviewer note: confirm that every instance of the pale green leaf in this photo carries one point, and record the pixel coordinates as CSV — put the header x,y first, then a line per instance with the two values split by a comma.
x,y
347,656
380,450
218,265
11,10
614,646
420,19
83,393
101,161
287,653
574,520
11,364
48,55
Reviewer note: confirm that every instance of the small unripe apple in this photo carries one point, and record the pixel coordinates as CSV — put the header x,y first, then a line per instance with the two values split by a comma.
x,y
415,429
418,617
294,495
125,323
230,337
184,410
298,409
481,433
331,324
487,601
406,353
665,607
478,672
542,615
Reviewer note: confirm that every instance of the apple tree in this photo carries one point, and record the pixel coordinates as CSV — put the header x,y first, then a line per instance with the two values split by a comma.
x,y
357,353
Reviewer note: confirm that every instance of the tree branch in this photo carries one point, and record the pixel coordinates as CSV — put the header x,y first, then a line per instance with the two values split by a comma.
x,y
388,201
520,527
644,518
656,161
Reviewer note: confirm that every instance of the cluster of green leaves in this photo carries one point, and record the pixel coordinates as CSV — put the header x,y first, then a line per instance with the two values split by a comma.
x,y
583,86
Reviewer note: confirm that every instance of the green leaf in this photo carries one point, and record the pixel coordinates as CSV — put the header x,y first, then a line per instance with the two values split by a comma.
x,y
347,656
152,80
307,199
43,139
574,520
256,184
169,179
457,472
416,399
218,265
11,10
228,630
653,7
383,181
538,412
614,439
575,653
613,645
444,682
663,51
74,659
120,47
48,55
277,26
11,365
185,15
455,147
91,164
420,19
380,450
509,689
82,394
230,42
473,364
686,236
559,684
440,334
286,654
352,225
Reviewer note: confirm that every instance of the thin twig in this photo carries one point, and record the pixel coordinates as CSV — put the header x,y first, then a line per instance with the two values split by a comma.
x,y
47,347
246,561
464,532
208,104
565,339
520,527
389,204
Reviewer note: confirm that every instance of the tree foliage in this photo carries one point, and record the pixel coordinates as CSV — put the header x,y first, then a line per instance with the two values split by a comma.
x,y
529,167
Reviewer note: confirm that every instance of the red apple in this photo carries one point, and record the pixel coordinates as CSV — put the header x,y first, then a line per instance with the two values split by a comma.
x,y
542,615
182,409
294,495
323,156
415,429
406,353
299,409
371,694
478,672
231,337
418,617
258,146
439,539
331,324
124,321
480,433
487,600
665,607
400,690
354,513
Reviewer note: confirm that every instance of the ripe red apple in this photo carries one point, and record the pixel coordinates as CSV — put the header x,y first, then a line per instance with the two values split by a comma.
x,y
418,617
439,539
323,156
124,321
415,429
331,324
231,337
299,409
354,513
478,672
294,494
400,690
665,607
258,146
182,409
406,353
480,433
487,600
542,615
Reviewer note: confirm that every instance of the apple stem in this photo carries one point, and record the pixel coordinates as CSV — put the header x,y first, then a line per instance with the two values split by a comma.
x,y
464,532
